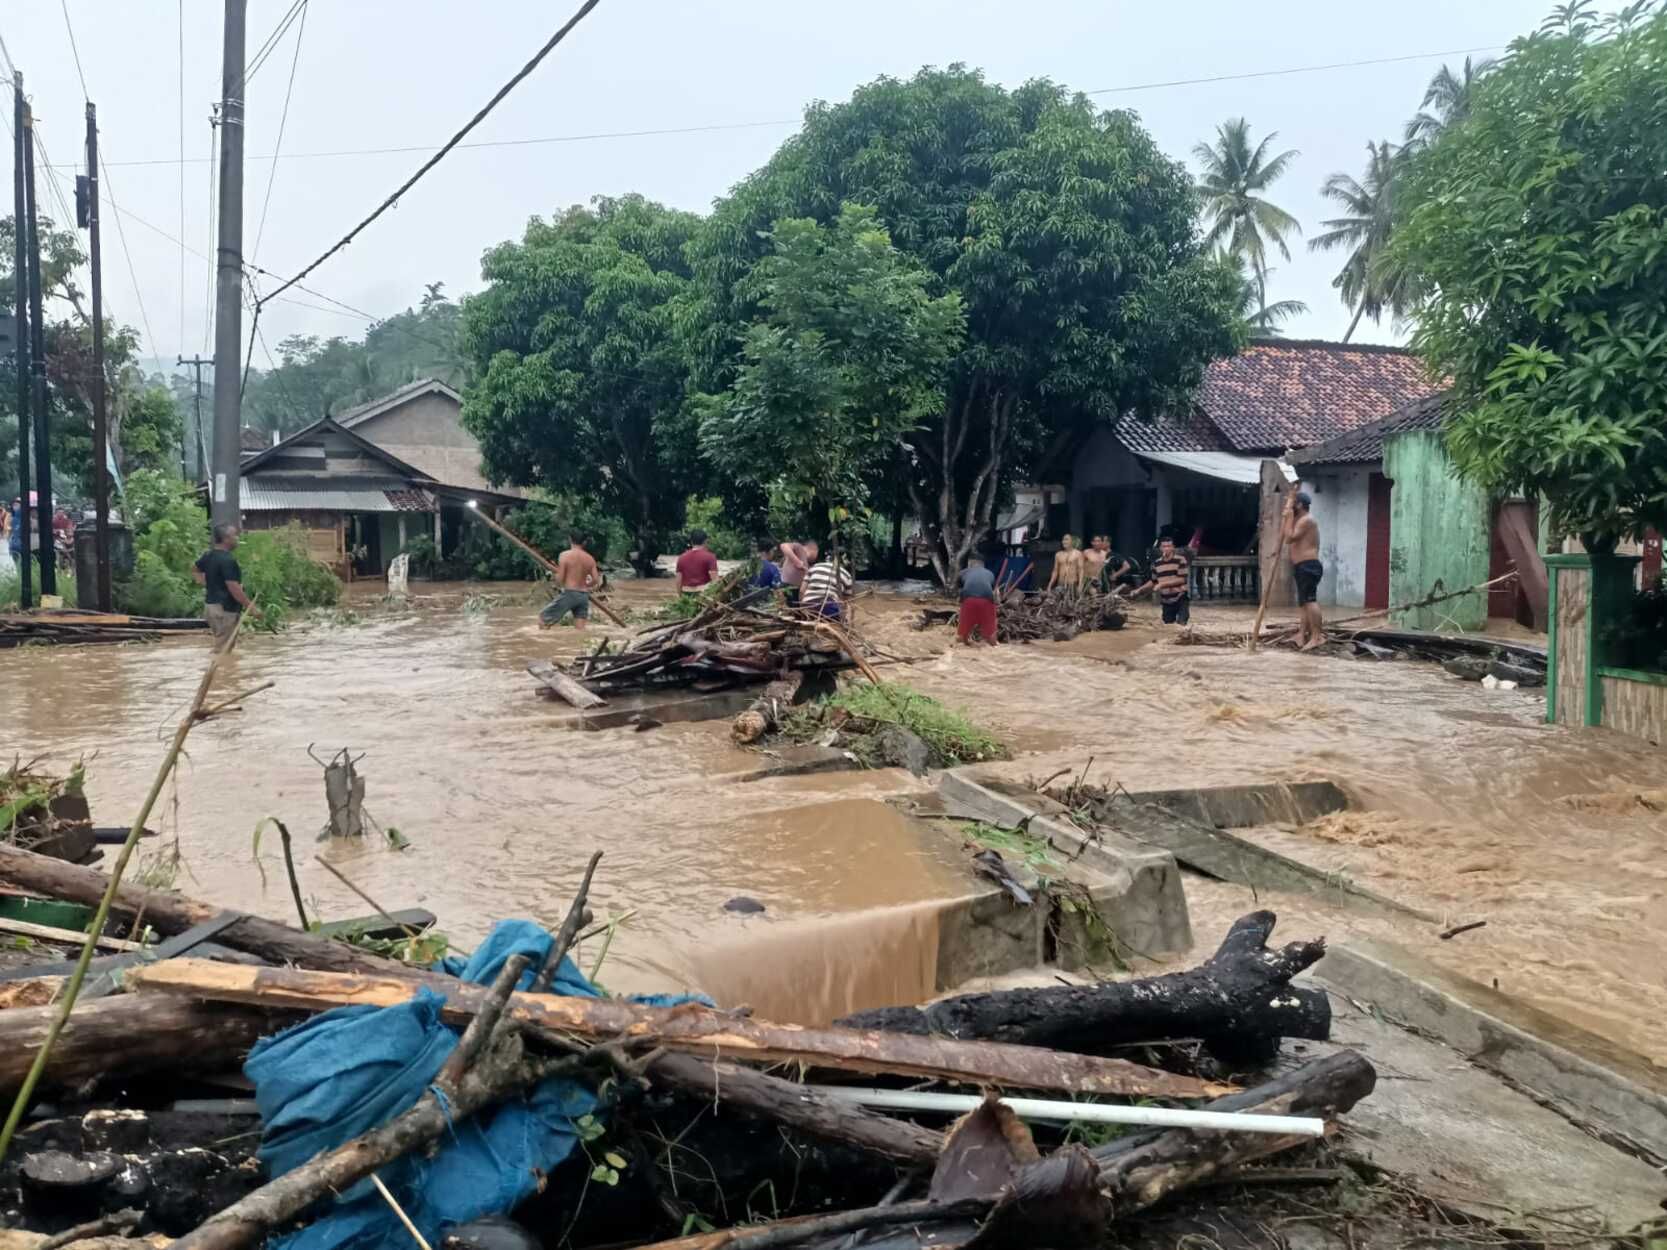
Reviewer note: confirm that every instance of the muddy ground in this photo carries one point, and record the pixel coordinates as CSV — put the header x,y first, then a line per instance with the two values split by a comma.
x,y
1470,806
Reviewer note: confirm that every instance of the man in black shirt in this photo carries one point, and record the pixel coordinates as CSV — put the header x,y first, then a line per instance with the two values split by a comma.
x,y
217,573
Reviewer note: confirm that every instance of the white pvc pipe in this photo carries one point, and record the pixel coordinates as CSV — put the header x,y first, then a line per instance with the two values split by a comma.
x,y
1089,1112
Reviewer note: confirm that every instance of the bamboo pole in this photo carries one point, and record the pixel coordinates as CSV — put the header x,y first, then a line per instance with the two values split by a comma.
x,y
73,987
539,558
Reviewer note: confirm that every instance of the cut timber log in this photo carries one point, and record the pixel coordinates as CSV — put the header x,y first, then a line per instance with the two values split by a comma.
x,y
130,1033
170,913
46,933
690,1029
1239,1001
766,712
552,678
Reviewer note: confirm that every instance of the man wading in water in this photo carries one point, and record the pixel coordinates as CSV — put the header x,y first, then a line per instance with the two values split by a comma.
x,y
217,573
578,574
1302,537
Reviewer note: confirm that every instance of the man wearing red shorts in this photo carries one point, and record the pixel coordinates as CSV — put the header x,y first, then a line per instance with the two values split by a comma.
x,y
978,603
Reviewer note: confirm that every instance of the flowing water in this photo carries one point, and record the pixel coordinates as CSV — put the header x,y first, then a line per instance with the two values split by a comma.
x,y
1471,806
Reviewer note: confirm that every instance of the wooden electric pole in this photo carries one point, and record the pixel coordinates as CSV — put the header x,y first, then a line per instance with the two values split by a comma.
x,y
25,575
101,429
37,375
224,508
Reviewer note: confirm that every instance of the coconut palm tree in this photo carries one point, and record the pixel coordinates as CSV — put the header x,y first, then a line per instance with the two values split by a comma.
x,y
1446,100
1242,221
1365,282
1266,321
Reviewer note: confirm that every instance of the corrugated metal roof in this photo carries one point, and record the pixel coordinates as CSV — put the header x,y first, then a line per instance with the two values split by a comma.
x,y
1222,465
256,497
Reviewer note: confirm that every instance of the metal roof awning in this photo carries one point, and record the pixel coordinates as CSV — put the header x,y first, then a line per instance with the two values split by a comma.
x,y
257,497
1224,466
1019,518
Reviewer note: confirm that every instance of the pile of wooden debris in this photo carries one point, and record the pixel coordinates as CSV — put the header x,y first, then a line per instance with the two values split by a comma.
x,y
1057,615
766,1108
60,625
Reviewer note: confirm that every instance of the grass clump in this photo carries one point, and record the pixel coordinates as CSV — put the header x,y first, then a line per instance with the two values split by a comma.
x,y
1036,852
952,738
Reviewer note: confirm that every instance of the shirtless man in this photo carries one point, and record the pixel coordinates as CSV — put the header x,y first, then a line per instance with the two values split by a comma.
x,y
1094,560
577,572
1067,565
1302,539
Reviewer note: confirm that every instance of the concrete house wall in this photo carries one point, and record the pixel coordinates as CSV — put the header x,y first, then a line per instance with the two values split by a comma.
x,y
1105,464
1439,531
1340,501
426,431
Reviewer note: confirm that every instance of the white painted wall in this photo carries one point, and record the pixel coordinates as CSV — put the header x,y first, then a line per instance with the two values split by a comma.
x,y
1340,497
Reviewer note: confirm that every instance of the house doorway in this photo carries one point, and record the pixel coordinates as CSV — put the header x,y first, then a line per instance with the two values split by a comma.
x,y
1378,488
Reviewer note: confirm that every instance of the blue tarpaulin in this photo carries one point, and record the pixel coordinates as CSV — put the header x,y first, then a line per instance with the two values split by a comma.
x,y
345,1072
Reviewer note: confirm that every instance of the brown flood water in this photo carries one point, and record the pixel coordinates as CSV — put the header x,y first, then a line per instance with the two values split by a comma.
x,y
1473,807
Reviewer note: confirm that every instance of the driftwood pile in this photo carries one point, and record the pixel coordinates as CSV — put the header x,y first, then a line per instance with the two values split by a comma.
x,y
71,625
747,639
763,1106
1057,615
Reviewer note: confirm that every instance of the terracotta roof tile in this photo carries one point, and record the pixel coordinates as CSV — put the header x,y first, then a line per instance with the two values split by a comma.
x,y
1365,444
1192,431
1276,395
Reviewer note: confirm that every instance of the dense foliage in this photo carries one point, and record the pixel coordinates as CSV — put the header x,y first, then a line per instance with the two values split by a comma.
x,y
1537,227
580,380
1071,241
848,355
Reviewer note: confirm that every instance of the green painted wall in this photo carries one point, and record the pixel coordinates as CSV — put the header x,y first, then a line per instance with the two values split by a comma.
x,y
1439,530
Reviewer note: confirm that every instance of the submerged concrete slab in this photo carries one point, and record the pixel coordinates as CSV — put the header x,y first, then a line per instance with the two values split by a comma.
x,y
800,761
1142,900
1613,1092
1469,1139
1241,807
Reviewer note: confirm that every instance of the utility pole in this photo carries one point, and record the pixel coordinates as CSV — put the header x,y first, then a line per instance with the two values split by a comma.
x,y
197,363
224,507
37,373
20,212
101,430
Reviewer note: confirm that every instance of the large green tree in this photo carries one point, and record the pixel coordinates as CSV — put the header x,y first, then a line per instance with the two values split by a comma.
x,y
1236,177
1537,226
1070,238
581,380
850,354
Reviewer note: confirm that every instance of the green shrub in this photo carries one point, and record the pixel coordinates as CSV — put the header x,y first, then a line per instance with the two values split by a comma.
x,y
950,735
425,558
156,590
11,585
279,575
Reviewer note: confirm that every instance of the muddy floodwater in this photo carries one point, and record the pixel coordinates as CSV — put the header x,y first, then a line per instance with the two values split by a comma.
x,y
1469,805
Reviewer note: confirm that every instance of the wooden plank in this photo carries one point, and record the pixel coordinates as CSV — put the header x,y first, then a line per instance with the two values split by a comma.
x,y
552,678
65,937
690,1028
1517,529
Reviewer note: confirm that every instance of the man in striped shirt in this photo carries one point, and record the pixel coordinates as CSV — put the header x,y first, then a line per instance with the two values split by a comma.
x,y
823,589
1169,579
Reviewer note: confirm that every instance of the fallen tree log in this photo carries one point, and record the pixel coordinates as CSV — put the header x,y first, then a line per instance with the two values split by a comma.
x,y
563,686
130,1033
170,913
1239,1002
789,1103
765,713
689,1028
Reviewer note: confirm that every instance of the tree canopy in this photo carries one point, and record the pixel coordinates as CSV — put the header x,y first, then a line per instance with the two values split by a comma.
x,y
580,377
1243,222
1537,228
1069,237
849,355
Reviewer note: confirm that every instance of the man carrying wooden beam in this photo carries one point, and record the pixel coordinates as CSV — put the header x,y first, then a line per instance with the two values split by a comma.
x,y
577,574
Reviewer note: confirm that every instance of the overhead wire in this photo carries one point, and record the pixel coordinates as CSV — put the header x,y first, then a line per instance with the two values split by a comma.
x,y
283,121
537,57
75,50
267,47
656,132
181,7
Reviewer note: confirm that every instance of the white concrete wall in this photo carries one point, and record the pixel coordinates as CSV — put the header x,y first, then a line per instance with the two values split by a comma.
x,y
1340,497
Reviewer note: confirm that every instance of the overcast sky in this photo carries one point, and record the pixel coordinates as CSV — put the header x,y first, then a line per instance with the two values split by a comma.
x,y
407,73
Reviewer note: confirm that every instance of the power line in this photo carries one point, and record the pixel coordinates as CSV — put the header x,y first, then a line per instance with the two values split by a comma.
x,y
431,162
283,121
271,42
85,94
182,174
664,131
1297,69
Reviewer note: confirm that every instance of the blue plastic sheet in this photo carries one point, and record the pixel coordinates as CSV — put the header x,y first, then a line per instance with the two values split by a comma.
x,y
343,1073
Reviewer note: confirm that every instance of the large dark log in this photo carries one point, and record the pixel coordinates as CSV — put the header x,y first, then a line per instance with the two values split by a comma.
x,y
689,1028
171,913
1239,1002
131,1033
